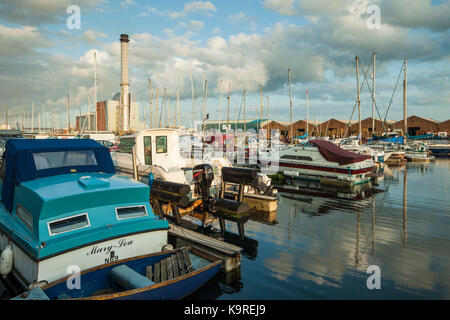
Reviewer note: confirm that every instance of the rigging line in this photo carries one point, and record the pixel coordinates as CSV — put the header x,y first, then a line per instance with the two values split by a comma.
x,y
356,102
240,109
375,103
395,88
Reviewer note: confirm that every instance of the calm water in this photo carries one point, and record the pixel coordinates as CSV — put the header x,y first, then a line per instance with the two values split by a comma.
x,y
321,243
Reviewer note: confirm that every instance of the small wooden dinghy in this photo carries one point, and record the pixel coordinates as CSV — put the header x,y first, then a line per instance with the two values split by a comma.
x,y
166,275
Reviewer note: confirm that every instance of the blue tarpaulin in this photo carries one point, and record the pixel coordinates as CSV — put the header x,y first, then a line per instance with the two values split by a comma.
x,y
20,165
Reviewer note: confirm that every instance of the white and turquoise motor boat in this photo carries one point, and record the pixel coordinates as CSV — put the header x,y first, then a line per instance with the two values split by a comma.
x,y
63,208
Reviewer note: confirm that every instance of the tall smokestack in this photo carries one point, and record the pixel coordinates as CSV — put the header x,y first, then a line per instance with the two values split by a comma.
x,y
124,85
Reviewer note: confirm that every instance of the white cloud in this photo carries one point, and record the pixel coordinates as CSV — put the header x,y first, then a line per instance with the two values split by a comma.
x,y
237,17
193,7
127,3
193,25
91,36
39,12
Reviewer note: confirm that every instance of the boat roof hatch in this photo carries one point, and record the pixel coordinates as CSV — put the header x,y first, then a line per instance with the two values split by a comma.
x,y
26,160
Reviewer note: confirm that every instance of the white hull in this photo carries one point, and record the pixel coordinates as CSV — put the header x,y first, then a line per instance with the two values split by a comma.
x,y
311,163
86,257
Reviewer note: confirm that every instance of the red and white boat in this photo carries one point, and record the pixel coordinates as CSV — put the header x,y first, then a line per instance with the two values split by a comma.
x,y
325,161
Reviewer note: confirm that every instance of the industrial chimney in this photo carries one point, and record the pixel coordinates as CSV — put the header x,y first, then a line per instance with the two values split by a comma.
x,y
125,85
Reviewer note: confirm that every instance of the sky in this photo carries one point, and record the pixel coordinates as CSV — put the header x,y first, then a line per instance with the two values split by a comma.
x,y
232,45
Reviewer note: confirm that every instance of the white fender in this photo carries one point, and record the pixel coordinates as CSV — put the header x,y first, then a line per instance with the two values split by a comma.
x,y
6,261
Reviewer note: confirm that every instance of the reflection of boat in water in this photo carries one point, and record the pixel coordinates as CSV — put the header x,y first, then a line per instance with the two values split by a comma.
x,y
314,199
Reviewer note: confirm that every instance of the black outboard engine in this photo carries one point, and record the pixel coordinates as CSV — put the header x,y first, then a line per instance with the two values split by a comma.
x,y
203,175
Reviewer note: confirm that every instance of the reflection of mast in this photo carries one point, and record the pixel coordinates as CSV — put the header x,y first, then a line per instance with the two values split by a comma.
x,y
373,225
358,227
405,205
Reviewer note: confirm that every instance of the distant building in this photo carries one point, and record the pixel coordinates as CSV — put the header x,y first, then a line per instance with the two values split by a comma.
x,y
366,127
83,123
444,126
108,117
417,125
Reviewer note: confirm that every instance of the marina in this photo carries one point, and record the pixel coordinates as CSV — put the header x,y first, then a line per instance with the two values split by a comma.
x,y
173,164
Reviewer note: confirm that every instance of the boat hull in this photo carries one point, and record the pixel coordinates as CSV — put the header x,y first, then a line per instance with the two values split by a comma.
x,y
96,279
32,270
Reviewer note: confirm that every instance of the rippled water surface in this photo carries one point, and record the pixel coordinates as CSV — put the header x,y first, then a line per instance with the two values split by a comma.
x,y
319,243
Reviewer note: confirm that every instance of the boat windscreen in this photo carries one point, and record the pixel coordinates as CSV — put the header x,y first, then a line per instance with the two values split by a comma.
x,y
59,159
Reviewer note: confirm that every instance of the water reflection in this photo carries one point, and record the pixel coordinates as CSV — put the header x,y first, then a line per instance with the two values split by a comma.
x,y
325,239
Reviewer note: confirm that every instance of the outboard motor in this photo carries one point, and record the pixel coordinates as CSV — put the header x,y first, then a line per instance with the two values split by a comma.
x,y
203,175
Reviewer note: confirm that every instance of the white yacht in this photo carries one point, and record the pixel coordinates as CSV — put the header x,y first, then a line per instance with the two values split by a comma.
x,y
323,160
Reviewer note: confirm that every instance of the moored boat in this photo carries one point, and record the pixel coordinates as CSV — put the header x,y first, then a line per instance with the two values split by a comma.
x,y
62,205
166,275
440,149
326,161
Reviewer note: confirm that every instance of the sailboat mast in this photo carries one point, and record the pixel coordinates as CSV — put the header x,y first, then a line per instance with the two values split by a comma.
x,y
156,111
245,122
32,116
220,102
205,96
405,114
95,94
150,97
307,101
68,114
290,100
178,108
228,113
359,101
268,122
192,92
260,123
373,94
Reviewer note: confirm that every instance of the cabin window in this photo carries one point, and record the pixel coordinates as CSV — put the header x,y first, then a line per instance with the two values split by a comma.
x,y
161,144
25,216
58,159
126,145
291,157
131,212
68,224
148,150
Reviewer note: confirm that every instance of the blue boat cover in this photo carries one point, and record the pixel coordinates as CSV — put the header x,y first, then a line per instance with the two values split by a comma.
x,y
20,165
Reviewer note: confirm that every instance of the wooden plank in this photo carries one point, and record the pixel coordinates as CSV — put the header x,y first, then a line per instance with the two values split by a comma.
x,y
181,263
187,259
163,270
157,276
169,268
148,272
176,271
212,243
